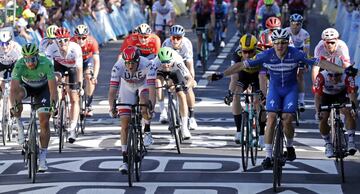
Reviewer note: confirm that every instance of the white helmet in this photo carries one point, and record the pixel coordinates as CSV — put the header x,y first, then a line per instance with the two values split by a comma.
x,y
144,29
280,34
5,36
177,30
330,34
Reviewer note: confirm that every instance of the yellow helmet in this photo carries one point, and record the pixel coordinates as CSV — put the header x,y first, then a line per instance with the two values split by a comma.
x,y
28,14
50,31
248,42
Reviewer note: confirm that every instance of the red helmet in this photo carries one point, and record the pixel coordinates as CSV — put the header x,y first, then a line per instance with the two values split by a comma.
x,y
273,23
131,53
265,41
62,33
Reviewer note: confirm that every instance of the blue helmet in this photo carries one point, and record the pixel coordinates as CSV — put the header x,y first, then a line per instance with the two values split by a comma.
x,y
296,18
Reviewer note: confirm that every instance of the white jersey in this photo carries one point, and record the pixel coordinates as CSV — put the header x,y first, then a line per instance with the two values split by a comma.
x,y
73,57
300,40
12,54
162,13
342,51
145,74
44,44
186,48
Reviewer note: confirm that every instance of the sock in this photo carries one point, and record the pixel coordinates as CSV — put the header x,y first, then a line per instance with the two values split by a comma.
x,y
268,150
147,128
161,106
191,112
301,97
289,142
262,128
123,148
43,151
184,122
351,135
326,138
89,101
237,119
73,125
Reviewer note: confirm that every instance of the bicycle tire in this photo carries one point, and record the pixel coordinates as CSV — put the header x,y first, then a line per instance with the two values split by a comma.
x,y
278,147
255,139
130,152
82,117
138,147
204,53
174,125
33,151
61,129
339,150
244,141
4,121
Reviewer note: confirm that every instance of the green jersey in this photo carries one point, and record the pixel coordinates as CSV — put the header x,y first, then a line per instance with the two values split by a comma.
x,y
37,77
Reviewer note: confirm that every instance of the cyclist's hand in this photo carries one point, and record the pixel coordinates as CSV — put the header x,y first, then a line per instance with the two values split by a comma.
x,y
15,111
228,98
216,76
113,113
235,10
94,80
81,92
351,71
53,109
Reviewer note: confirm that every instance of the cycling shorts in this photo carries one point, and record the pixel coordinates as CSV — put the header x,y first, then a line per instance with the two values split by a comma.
x,y
177,80
72,73
41,96
246,78
284,99
128,96
328,99
88,63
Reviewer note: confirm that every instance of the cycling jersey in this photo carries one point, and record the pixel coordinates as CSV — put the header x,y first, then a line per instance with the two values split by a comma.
x,y
90,47
163,12
185,50
341,51
221,11
35,78
44,44
151,48
237,57
283,89
11,54
73,56
323,84
300,40
203,13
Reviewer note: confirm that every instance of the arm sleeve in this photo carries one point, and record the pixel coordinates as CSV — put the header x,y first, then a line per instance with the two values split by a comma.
x,y
259,60
319,84
79,58
16,72
95,46
115,76
50,70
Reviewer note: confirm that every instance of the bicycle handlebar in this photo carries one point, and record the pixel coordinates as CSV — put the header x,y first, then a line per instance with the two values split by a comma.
x,y
337,106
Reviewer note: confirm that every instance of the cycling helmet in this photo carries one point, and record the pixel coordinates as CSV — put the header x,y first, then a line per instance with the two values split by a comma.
x,y
144,29
177,30
131,53
296,18
280,34
268,2
165,55
265,40
330,34
273,23
29,49
248,42
50,31
62,33
81,30
5,36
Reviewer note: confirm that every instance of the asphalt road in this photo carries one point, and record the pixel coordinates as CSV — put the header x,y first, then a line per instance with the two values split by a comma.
x,y
210,162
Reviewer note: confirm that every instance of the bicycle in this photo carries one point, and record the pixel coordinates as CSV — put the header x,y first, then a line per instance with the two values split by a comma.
x,y
62,121
5,117
173,115
249,129
278,152
204,52
83,102
135,144
339,142
30,149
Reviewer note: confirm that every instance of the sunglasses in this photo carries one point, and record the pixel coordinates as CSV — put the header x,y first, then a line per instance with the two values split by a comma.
x,y
248,51
176,37
281,42
62,40
165,62
330,42
4,44
82,37
334,74
32,59
130,63
144,37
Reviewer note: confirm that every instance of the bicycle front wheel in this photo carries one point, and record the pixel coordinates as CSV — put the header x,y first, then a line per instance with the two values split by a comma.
x,y
339,141
255,140
278,157
139,155
131,155
173,125
33,151
4,121
61,125
245,141
82,113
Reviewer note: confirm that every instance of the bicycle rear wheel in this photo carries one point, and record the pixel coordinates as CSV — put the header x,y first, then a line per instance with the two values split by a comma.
x,y
255,140
139,154
173,125
278,157
245,145
33,151
131,156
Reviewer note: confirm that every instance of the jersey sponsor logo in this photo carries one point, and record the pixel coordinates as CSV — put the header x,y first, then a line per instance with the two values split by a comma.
x,y
136,75
65,61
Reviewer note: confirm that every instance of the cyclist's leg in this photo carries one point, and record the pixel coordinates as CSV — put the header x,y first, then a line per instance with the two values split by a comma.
x,y
223,31
350,123
326,100
301,87
144,99
240,84
160,96
190,96
74,101
198,48
21,93
90,86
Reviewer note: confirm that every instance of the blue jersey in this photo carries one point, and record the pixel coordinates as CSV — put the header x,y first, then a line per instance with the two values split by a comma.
x,y
221,11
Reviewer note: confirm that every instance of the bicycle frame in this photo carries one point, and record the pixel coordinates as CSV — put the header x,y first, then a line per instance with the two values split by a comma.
x,y
278,152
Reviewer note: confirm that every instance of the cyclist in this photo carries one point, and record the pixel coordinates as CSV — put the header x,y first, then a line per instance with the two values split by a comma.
x,y
329,47
50,37
67,56
202,13
33,75
265,41
183,46
332,88
221,9
163,13
267,10
301,40
171,64
148,42
242,80
130,74
91,62
282,62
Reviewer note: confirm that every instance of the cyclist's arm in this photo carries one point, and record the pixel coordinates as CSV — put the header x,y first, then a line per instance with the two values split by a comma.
x,y
351,90
318,91
79,67
96,57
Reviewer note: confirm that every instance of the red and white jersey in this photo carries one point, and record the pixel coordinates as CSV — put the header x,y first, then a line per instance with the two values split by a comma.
x,y
185,50
44,44
323,84
11,54
73,57
342,51
145,74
